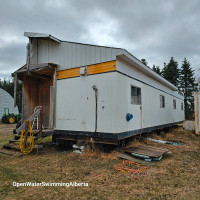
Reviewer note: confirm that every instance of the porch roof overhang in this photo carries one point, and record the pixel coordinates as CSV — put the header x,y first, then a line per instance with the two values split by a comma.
x,y
44,69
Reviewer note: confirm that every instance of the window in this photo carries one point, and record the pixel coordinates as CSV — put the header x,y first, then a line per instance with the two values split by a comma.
x,y
174,103
135,95
162,101
181,105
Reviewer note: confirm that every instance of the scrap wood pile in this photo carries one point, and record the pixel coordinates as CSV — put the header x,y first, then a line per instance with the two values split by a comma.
x,y
148,153
139,154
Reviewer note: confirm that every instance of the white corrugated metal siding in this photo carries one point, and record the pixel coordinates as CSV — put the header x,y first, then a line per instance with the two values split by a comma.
x,y
70,55
75,104
6,101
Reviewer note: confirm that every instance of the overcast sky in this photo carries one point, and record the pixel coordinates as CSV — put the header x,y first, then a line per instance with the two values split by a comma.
x,y
152,29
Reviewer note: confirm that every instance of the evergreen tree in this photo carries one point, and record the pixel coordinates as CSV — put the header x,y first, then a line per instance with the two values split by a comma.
x,y
188,86
171,72
156,69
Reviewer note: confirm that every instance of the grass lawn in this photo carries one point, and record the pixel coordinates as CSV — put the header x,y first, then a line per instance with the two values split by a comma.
x,y
176,176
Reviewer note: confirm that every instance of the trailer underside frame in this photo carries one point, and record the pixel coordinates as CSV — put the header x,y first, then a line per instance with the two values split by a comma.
x,y
104,138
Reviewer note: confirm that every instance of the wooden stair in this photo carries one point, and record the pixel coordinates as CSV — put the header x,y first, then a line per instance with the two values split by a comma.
x,y
41,133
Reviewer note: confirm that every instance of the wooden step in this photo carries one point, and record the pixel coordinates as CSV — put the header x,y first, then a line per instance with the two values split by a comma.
x,y
10,152
13,141
15,147
11,147
17,137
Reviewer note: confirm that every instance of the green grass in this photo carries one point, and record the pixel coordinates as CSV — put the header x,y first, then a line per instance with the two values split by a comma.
x,y
174,177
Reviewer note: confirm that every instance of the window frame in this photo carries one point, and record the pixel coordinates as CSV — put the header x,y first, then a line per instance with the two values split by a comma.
x,y
140,103
163,101
174,104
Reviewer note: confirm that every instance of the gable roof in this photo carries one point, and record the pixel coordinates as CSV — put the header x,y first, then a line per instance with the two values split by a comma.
x,y
120,53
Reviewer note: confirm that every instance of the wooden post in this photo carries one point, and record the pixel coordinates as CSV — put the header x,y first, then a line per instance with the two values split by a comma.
x,y
15,90
54,97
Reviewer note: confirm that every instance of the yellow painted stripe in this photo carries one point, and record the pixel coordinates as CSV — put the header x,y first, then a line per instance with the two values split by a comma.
x,y
91,69
102,67
69,73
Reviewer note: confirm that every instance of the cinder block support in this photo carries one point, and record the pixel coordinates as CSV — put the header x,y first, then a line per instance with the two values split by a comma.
x,y
196,108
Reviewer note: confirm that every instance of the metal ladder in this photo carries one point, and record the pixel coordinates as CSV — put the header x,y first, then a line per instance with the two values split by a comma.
x,y
37,111
36,120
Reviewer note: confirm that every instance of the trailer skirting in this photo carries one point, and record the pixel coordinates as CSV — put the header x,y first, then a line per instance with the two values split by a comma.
x,y
101,137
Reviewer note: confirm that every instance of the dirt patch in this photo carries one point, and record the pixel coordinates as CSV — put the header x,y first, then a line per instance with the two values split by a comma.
x,y
6,133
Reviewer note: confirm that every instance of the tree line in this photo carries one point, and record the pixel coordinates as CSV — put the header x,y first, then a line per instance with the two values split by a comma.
x,y
183,78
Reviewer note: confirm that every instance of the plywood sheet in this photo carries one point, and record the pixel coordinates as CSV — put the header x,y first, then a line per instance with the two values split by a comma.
x,y
137,160
147,151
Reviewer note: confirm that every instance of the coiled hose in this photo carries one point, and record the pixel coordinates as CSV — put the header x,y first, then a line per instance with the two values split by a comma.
x,y
26,147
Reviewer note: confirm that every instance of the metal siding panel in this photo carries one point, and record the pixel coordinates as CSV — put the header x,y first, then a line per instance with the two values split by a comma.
x,y
69,55
93,55
39,51
74,55
51,52
108,54
62,54
76,110
45,51
152,114
114,53
34,52
128,58
83,55
98,55
66,54
103,54
137,74
107,102
78,57
88,54
58,54
7,102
